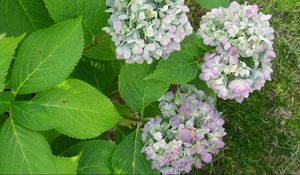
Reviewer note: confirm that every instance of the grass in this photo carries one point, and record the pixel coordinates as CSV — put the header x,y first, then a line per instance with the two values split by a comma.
x,y
263,134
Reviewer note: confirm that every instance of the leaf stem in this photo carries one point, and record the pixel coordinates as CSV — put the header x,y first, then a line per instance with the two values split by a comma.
x,y
114,92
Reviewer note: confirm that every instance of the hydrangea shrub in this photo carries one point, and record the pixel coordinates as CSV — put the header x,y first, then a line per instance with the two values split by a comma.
x,y
112,87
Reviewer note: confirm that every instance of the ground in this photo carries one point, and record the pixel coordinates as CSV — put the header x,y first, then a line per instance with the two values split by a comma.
x,y
263,133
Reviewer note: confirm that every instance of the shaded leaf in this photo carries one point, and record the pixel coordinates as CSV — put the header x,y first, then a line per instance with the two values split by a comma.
x,y
121,133
98,74
152,110
62,143
50,135
6,98
20,16
3,118
102,50
95,156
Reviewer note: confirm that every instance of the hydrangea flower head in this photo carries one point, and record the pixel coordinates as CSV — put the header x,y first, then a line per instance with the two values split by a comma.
x,y
188,134
147,29
243,38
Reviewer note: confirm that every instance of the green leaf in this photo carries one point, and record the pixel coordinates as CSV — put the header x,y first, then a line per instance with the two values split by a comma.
x,y
66,165
152,110
121,133
20,16
33,116
94,17
128,159
137,92
213,3
124,110
3,118
7,47
95,156
103,49
50,135
179,68
82,111
47,57
98,74
62,143
24,151
5,99
194,45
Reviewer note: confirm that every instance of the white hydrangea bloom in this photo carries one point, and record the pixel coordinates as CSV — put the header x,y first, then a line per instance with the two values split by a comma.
x,y
243,39
147,29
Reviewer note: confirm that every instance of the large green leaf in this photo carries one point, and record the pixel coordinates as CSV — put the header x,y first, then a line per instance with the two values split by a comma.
x,y
47,57
33,116
82,111
137,92
98,74
95,156
213,3
7,47
66,165
128,159
93,14
179,68
5,99
24,151
102,50
19,16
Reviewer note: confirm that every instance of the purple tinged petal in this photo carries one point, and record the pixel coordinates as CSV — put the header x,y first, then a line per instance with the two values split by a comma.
x,y
206,157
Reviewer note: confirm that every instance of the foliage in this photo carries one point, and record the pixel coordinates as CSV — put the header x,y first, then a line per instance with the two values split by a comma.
x,y
68,106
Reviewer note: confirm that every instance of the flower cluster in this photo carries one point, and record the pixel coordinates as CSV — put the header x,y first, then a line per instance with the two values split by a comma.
x,y
188,134
243,38
147,29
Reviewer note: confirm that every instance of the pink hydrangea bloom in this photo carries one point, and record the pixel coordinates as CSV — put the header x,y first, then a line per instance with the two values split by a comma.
x,y
243,38
190,134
